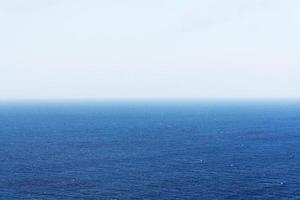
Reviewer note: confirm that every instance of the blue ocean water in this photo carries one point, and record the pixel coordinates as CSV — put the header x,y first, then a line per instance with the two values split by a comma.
x,y
212,150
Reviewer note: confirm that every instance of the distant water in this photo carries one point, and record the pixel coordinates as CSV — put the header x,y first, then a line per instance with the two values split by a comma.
x,y
150,150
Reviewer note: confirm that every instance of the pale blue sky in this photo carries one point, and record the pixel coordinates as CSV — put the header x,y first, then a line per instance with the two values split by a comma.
x,y
120,49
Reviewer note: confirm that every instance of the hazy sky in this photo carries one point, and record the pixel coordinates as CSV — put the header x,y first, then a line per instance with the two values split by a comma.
x,y
99,49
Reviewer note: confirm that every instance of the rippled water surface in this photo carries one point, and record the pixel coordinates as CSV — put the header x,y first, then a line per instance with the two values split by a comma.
x,y
213,150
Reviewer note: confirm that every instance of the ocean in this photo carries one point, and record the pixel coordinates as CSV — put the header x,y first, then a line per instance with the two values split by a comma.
x,y
150,150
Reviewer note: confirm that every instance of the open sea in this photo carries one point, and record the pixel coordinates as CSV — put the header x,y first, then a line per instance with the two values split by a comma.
x,y
150,150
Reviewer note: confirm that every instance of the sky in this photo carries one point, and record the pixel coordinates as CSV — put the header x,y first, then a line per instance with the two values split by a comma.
x,y
158,49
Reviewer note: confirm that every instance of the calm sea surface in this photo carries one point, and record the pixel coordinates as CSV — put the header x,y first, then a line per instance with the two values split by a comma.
x,y
202,151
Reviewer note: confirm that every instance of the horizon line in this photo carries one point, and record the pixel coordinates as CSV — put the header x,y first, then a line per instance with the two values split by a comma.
x,y
95,100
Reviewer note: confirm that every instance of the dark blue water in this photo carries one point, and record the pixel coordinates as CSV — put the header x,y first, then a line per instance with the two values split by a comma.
x,y
150,150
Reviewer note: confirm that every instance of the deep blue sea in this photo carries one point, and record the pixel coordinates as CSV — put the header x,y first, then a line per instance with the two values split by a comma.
x,y
150,150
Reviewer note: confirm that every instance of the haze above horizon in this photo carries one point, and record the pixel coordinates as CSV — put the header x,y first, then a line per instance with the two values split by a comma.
x,y
159,49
